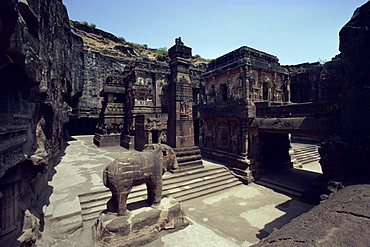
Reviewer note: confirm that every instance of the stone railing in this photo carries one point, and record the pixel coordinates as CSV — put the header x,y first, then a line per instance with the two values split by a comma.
x,y
114,108
314,109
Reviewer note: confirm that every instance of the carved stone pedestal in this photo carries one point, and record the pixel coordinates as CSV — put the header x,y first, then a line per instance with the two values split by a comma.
x,y
110,140
141,226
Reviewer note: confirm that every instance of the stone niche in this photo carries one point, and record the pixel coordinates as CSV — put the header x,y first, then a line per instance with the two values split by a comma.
x,y
150,128
141,226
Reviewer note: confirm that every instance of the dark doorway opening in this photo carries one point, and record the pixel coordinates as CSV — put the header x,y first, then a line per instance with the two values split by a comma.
x,y
82,126
223,92
196,132
155,136
275,150
265,91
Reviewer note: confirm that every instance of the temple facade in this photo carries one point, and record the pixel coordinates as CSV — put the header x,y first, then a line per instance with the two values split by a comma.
x,y
232,85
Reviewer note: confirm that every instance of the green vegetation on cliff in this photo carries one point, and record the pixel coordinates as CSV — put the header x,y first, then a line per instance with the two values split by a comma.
x,y
108,43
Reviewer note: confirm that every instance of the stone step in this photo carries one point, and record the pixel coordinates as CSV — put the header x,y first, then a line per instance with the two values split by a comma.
x,y
192,174
195,180
300,151
305,147
103,193
189,163
206,189
188,168
282,189
69,225
209,191
104,197
311,150
307,154
94,213
307,157
198,185
188,158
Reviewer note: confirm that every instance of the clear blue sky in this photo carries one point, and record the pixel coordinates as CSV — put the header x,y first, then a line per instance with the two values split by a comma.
x,y
295,31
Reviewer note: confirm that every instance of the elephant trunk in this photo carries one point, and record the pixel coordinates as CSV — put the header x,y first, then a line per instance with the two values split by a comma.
x,y
175,164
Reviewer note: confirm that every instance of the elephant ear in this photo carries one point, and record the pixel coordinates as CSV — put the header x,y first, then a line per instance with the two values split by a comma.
x,y
175,164
172,155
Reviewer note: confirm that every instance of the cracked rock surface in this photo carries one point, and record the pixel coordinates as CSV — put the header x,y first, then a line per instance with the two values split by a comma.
x,y
342,220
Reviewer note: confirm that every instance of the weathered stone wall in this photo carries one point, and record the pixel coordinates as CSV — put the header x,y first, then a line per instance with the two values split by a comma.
x,y
268,85
40,67
305,82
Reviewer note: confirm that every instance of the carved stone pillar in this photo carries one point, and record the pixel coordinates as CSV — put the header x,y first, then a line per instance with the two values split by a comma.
x,y
180,127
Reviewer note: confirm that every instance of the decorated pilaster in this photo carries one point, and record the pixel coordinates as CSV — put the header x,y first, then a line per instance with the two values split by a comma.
x,y
180,126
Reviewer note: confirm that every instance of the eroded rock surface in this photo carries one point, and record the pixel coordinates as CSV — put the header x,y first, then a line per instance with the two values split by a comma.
x,y
341,220
40,70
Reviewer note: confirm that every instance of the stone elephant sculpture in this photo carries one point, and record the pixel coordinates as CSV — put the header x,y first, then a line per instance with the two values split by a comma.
x,y
147,167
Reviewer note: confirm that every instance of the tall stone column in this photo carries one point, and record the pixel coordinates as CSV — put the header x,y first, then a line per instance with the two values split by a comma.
x,y
180,126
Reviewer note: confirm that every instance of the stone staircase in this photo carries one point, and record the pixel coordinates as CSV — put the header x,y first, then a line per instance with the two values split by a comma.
x,y
305,153
182,186
294,182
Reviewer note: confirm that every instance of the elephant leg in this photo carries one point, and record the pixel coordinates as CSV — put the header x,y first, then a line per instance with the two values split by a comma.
x,y
112,204
118,203
154,187
122,202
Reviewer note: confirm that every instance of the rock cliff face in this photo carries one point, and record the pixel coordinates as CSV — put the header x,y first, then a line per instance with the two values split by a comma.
x,y
354,45
346,153
40,72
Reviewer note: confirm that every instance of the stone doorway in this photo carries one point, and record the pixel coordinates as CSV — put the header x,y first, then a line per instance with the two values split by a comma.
x,y
275,151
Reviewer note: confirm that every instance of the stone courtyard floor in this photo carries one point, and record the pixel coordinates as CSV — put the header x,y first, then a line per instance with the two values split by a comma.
x,y
239,216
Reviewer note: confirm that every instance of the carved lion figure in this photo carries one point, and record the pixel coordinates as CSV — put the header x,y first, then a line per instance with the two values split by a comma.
x,y
147,167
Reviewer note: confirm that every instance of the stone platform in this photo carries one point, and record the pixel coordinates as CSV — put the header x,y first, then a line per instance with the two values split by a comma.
x,y
142,225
